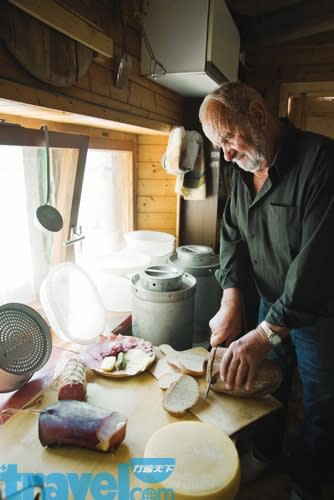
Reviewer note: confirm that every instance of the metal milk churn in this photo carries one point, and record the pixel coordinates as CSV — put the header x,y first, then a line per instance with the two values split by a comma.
x,y
163,306
201,262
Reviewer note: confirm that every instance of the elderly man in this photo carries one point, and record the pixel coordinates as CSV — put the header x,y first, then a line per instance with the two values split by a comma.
x,y
277,229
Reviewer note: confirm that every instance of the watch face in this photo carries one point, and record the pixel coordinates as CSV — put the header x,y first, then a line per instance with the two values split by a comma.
x,y
275,339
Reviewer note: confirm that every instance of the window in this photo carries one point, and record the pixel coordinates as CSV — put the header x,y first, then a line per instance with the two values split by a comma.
x,y
26,252
106,203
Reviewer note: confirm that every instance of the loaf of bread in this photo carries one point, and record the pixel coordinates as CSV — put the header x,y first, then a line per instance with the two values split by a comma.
x,y
267,381
181,396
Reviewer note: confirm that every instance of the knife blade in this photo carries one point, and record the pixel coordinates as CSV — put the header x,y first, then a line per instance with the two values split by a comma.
x,y
209,372
207,388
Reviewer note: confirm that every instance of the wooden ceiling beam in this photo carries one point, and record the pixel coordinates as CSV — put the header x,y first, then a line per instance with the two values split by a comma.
x,y
63,20
292,23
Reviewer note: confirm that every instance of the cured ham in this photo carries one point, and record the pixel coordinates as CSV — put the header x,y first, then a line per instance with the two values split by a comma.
x,y
81,424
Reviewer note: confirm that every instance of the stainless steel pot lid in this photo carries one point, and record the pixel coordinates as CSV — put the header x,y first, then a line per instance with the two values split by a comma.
x,y
192,255
162,278
25,339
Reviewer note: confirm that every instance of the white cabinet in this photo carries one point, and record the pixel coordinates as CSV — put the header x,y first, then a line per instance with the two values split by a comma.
x,y
196,41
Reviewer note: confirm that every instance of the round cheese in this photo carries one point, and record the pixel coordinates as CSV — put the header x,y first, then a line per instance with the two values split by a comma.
x,y
206,461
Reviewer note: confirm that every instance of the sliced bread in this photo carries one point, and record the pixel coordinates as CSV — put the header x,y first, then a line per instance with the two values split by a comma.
x,y
181,396
167,379
189,362
192,363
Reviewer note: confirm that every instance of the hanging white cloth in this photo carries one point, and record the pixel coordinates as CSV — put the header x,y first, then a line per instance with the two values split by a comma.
x,y
184,158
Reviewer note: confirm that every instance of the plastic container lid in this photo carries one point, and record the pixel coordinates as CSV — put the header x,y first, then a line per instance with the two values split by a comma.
x,y
72,304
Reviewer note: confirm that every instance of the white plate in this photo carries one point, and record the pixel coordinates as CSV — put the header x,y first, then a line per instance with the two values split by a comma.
x,y
135,365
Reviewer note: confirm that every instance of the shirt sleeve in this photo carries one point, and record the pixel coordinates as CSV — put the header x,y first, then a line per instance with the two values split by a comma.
x,y
234,262
308,291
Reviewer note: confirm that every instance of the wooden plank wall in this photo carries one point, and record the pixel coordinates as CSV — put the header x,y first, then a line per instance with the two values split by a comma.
x,y
156,200
268,67
143,102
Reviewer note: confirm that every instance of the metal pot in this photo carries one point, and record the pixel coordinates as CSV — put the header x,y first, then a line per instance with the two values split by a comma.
x,y
202,263
164,317
161,278
10,382
194,255
25,345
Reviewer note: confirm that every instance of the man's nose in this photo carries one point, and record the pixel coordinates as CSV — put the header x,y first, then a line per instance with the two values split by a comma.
x,y
228,151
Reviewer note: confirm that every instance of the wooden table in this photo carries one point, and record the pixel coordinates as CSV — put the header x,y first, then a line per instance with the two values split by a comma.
x,y
138,397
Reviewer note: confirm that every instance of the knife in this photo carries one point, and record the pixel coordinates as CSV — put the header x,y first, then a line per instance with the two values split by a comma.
x,y
209,371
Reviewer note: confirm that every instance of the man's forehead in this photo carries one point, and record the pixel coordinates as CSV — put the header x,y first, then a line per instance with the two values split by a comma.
x,y
219,114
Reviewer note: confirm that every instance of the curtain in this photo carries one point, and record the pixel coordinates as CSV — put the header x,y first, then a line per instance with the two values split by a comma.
x,y
101,204
23,249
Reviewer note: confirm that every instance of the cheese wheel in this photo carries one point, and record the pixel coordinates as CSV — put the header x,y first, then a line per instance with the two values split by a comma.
x,y
206,461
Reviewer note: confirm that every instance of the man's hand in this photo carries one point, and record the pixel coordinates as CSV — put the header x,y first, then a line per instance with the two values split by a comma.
x,y
227,324
242,358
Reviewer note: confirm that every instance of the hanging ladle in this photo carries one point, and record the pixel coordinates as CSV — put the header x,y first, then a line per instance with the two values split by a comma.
x,y
48,216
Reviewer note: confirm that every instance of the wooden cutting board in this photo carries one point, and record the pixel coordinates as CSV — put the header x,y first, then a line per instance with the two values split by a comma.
x,y
228,413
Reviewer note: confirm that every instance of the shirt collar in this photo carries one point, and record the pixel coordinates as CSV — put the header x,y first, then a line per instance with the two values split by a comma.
x,y
284,158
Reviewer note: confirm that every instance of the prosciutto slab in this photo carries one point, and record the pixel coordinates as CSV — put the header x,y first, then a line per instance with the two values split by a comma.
x,y
80,424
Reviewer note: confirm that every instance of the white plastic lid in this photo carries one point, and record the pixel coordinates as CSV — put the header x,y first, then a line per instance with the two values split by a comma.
x,y
72,304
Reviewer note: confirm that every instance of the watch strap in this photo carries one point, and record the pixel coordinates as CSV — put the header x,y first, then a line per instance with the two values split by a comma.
x,y
272,336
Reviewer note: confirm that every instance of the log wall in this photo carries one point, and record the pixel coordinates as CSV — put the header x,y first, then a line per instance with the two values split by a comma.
x,y
156,201
309,61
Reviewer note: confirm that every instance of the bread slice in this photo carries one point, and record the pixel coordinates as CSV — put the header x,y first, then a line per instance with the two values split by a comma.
x,y
167,379
188,362
181,396
192,363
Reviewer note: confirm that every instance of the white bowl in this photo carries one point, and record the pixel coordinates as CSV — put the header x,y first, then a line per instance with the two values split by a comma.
x,y
115,291
150,241
124,263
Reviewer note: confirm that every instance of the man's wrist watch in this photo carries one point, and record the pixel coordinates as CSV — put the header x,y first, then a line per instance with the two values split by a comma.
x,y
273,337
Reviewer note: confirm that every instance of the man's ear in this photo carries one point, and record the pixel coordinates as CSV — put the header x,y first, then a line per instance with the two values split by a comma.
x,y
257,113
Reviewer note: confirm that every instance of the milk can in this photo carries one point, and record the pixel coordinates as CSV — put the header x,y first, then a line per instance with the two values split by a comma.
x,y
163,306
200,262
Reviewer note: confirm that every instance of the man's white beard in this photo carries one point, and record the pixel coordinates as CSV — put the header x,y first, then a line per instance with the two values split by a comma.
x,y
252,163
256,161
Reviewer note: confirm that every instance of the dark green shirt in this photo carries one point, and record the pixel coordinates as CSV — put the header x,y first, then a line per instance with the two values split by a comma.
x,y
284,236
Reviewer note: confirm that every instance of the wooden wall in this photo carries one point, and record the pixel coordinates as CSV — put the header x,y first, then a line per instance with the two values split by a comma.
x,y
142,103
156,201
308,61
